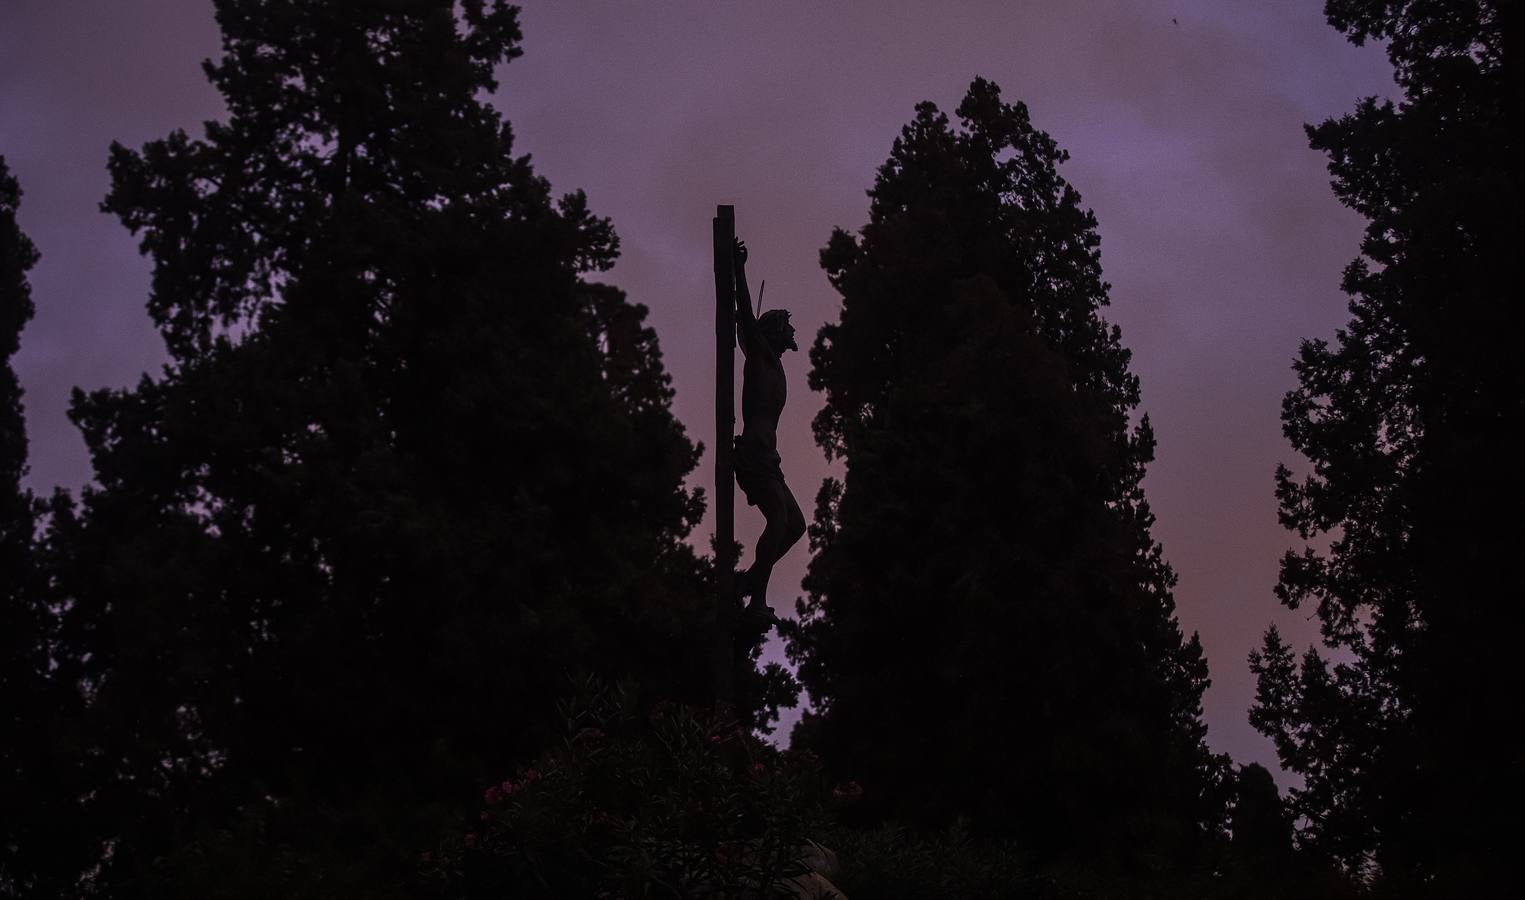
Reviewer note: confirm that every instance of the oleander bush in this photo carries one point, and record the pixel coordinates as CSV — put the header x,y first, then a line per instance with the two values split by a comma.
x,y
640,799
898,862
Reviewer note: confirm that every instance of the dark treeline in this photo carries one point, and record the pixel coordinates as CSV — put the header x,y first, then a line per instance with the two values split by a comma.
x,y
406,469
411,475
1411,421
985,571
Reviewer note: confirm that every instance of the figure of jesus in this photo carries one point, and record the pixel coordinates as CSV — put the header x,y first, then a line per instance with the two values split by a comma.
x,y
763,391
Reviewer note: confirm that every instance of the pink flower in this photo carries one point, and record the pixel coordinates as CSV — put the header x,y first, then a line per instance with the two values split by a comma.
x,y
484,816
757,770
727,852
492,795
470,840
508,788
529,775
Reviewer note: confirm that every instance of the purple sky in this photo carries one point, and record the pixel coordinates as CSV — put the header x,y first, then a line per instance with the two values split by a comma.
x,y
1220,236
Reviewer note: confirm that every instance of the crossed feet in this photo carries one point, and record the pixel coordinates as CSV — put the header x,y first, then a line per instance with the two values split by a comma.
x,y
757,613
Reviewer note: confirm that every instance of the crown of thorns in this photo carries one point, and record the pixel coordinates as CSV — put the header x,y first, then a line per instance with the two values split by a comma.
x,y
773,321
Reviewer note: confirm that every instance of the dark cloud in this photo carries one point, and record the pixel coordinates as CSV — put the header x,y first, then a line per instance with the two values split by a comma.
x,y
1220,236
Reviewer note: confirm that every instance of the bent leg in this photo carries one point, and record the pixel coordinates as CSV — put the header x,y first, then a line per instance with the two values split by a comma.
x,y
786,525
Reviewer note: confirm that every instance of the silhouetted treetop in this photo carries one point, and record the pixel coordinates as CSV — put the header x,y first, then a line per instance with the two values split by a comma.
x,y
17,256
989,200
352,127
406,470
22,656
44,841
989,629
23,638
1410,419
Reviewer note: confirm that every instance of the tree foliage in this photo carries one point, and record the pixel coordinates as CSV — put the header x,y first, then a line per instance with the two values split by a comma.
x,y
27,841
1410,419
989,628
20,654
641,797
405,469
17,256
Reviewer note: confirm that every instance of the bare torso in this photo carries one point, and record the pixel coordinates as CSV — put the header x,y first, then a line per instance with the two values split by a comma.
x,y
763,392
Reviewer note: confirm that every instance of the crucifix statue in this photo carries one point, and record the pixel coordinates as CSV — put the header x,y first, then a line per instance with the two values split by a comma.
x,y
754,454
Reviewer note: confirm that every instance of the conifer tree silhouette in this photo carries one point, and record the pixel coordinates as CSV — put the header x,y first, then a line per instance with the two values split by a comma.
x,y
1410,419
21,658
38,842
989,630
406,468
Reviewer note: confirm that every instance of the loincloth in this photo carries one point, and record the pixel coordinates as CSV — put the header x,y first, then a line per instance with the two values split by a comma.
x,y
756,467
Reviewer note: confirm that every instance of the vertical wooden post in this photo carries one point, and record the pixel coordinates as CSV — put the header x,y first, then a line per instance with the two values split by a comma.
x,y
725,423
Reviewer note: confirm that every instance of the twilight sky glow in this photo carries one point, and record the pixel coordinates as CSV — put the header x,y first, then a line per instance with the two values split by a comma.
x,y
1184,119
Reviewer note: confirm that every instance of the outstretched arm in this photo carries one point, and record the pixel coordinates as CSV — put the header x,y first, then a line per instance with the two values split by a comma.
x,y
750,335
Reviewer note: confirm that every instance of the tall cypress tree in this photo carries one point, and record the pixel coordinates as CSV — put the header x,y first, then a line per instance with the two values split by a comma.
x,y
405,469
1410,420
23,639
17,257
989,628
21,656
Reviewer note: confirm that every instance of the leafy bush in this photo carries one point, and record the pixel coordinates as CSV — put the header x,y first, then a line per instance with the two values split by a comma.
x,y
640,800
891,862
899,862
